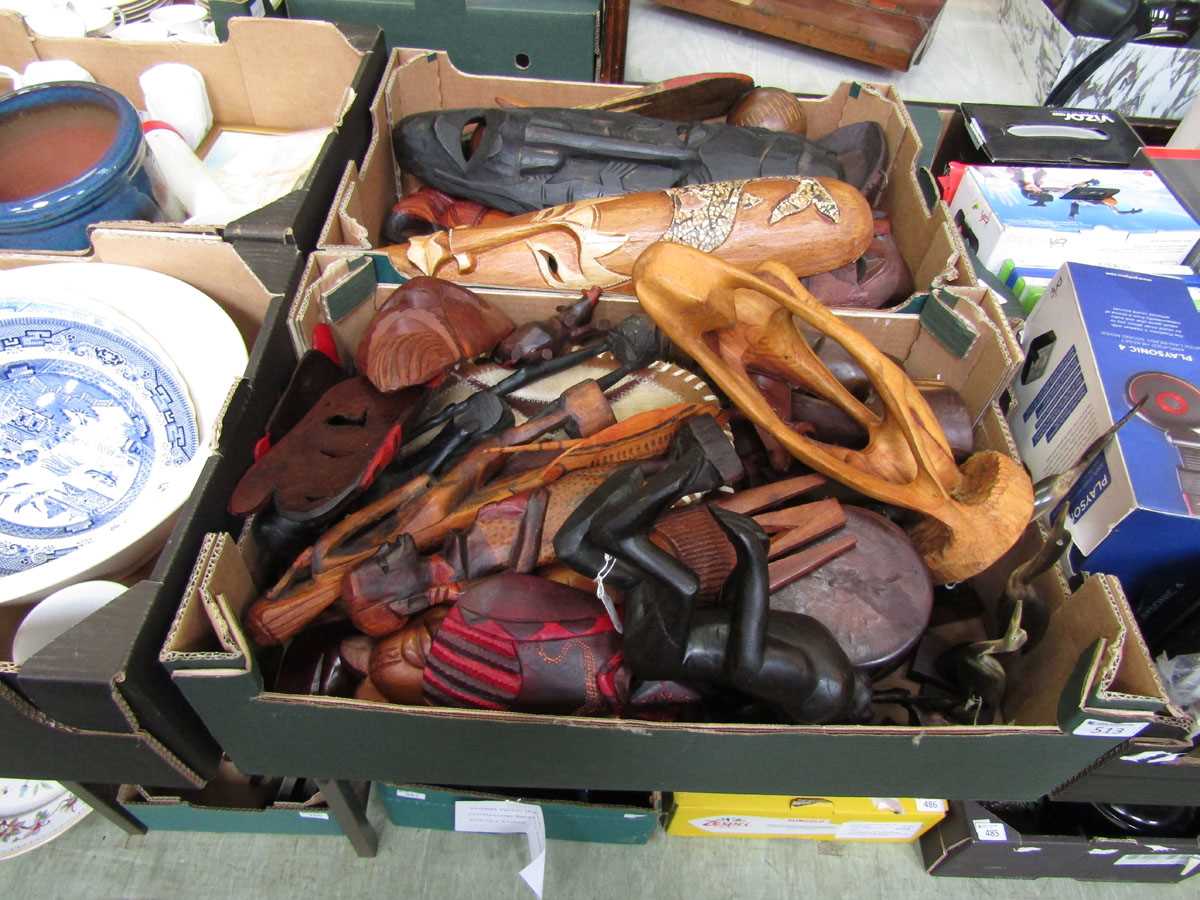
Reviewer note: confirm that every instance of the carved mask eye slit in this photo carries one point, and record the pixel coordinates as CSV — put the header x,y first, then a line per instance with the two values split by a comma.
x,y
548,264
472,137
340,421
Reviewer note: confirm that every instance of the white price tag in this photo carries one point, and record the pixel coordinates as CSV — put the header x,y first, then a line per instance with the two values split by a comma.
x,y
930,805
987,830
1097,728
508,817
313,814
410,795
879,831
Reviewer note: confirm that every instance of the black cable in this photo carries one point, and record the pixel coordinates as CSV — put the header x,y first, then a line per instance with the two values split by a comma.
x,y
1127,33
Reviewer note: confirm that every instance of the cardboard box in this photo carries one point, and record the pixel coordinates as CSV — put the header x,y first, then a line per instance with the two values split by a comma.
x,y
1149,770
1141,80
875,820
975,842
1092,667
421,80
1098,340
603,818
543,39
270,75
1045,216
225,808
95,705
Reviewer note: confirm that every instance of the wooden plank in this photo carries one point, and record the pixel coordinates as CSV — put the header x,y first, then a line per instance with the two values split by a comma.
x,y
883,32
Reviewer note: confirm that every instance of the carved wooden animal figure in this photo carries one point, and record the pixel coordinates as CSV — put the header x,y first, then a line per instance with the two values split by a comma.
x,y
427,509
724,318
810,224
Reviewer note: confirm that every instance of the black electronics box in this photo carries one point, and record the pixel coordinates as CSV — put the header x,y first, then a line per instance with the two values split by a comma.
x,y
975,841
1038,135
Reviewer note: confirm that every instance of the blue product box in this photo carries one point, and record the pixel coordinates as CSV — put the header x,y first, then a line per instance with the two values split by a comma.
x,y
1028,283
1044,216
1098,341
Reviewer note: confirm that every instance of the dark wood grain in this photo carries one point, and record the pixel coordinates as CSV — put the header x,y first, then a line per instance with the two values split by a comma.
x,y
885,34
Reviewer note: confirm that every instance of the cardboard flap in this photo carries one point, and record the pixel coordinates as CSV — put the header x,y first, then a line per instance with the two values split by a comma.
x,y
16,44
267,47
206,632
1091,648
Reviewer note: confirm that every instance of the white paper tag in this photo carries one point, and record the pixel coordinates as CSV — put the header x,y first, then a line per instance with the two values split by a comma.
x,y
1097,728
764,825
900,831
312,814
410,795
1103,851
930,805
987,830
508,817
1157,859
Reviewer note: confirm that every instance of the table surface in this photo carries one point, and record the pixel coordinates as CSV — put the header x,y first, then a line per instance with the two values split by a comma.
x,y
967,59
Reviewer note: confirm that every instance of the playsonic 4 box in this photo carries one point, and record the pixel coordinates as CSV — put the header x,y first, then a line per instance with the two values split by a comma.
x,y
1043,216
895,820
1102,342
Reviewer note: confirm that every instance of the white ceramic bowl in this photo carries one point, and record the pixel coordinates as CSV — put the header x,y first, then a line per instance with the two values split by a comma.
x,y
59,613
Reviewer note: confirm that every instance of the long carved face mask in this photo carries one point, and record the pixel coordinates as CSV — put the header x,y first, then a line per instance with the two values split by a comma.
x,y
521,160
810,224
733,323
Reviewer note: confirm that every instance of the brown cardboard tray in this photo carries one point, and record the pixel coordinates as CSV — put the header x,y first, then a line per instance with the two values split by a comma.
x,y
95,705
272,74
1092,666
976,842
421,80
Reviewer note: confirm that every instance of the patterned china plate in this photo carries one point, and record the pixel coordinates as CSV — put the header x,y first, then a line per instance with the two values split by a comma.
x,y
89,422
106,418
21,832
18,797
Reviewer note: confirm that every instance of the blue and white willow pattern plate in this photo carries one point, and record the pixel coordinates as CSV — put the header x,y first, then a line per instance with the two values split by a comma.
x,y
90,423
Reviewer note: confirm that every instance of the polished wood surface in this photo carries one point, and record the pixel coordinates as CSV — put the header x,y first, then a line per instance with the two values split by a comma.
x,y
718,314
772,108
614,37
809,224
887,33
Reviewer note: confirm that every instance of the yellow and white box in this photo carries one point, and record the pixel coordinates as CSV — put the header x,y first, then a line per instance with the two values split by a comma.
x,y
892,820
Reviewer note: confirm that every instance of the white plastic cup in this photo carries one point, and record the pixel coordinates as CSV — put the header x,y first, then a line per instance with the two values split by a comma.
x,y
180,20
175,93
185,176
140,31
44,71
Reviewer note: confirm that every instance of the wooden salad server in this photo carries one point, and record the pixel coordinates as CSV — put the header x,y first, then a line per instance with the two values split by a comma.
x,y
811,225
718,314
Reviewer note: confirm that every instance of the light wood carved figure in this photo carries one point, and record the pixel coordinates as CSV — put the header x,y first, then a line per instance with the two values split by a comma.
x,y
733,322
595,243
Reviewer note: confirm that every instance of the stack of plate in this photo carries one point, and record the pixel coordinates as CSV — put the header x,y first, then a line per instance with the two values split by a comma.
x,y
34,812
137,10
112,379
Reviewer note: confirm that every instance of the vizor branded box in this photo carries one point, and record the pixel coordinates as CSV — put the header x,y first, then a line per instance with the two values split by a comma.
x,y
1098,342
